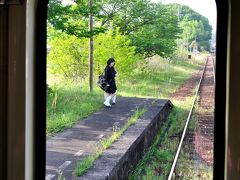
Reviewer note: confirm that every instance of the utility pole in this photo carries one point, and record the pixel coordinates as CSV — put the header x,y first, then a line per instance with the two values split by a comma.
x,y
179,15
91,46
195,48
178,25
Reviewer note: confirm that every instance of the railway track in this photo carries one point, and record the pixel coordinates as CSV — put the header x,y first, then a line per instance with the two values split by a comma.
x,y
199,142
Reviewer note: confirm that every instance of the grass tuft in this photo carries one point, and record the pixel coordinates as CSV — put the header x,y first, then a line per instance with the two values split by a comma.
x,y
88,162
67,105
156,163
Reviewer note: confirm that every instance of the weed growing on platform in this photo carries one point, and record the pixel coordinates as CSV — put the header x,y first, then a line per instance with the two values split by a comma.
x,y
84,165
108,141
156,163
88,162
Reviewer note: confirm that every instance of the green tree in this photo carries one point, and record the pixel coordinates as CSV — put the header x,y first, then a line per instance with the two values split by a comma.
x,y
74,19
158,37
194,26
68,58
114,44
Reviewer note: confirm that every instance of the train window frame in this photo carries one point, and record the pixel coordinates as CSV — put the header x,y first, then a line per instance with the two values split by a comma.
x,y
3,92
220,103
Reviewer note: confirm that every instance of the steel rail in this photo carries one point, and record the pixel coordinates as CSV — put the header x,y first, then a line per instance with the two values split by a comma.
x,y
214,71
187,122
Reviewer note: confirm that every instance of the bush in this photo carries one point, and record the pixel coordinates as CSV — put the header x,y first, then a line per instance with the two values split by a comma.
x,y
113,44
180,55
68,58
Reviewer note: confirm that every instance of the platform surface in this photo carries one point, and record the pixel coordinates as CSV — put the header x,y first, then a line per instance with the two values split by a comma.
x,y
66,148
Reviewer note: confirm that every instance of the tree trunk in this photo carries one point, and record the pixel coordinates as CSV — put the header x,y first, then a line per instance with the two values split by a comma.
x,y
91,47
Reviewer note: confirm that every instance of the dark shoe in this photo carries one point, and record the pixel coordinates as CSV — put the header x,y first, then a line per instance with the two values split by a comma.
x,y
113,103
107,106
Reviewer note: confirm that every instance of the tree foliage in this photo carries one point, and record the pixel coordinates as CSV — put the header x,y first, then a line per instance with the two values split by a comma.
x,y
74,19
152,29
158,37
128,30
68,58
195,27
114,44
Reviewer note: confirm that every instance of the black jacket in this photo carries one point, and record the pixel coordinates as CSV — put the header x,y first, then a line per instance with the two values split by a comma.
x,y
110,75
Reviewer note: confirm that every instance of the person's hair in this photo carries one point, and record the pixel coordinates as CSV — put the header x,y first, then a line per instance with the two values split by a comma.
x,y
110,61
